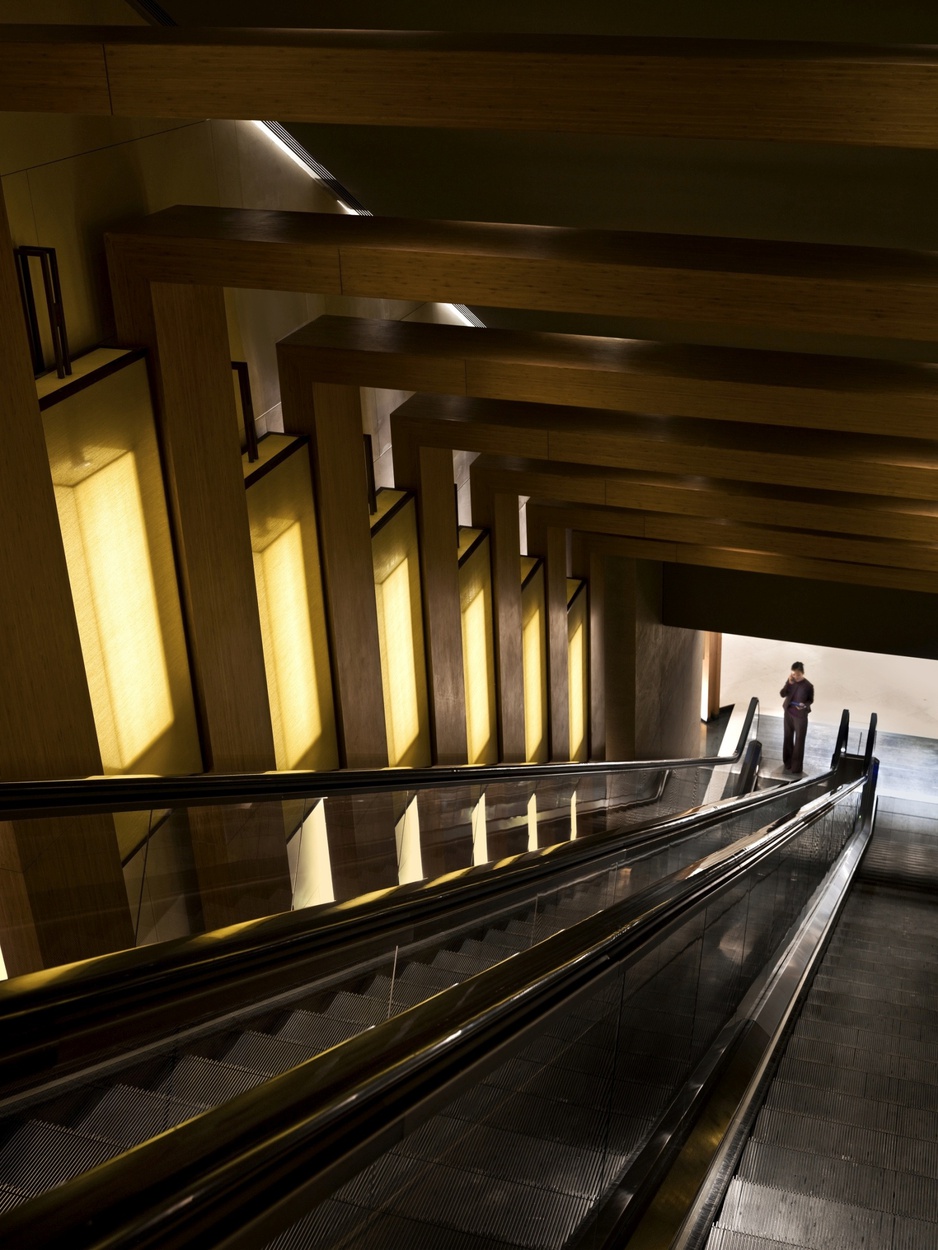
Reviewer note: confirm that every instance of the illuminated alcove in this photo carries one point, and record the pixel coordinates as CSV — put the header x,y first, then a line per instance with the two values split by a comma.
x,y
478,645
400,628
534,650
285,545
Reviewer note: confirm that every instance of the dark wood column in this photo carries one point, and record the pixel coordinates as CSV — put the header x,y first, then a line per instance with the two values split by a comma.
x,y
558,659
330,416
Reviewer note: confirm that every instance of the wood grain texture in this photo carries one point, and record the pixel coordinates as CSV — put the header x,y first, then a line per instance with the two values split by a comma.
x,y
558,658
698,280
721,89
206,488
331,417
43,74
769,388
442,620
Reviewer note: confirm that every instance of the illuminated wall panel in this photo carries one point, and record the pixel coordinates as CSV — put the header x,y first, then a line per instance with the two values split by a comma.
x,y
400,629
112,509
578,659
534,641
478,646
293,622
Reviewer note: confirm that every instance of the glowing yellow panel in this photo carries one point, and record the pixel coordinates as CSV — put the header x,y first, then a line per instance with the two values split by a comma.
x,y
112,511
578,676
106,546
400,636
397,653
284,598
534,651
292,615
478,650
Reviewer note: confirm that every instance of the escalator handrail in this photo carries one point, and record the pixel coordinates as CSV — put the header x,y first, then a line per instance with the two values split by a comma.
x,y
85,795
73,1012
310,1126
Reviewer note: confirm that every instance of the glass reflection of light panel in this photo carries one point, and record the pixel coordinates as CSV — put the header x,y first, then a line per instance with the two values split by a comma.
x,y
104,533
476,662
282,596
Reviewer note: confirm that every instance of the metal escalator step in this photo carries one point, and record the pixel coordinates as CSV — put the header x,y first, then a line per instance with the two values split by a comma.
x,y
841,1108
894,1026
511,941
267,1054
342,1227
732,1239
357,1009
467,1202
911,1013
406,993
11,1197
917,1156
779,1167
881,991
326,1225
815,1136
433,979
207,1081
568,1122
857,1035
884,1062
464,965
861,1083
130,1115
517,1156
39,1156
488,947
318,1032
804,1220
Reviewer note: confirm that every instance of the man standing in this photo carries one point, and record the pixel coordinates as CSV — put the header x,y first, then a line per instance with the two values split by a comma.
x,y
797,695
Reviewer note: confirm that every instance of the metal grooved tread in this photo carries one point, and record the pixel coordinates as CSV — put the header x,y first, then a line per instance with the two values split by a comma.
x,y
844,1152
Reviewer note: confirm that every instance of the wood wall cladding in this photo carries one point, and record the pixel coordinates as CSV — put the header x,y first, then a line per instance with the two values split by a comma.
x,y
813,288
721,89
330,416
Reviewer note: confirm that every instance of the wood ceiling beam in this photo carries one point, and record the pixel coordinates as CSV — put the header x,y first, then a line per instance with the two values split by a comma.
x,y
854,463
665,88
601,525
808,288
902,520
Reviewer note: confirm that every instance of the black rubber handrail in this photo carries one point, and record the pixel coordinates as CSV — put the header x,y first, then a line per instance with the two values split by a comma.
x,y
61,1018
295,1138
83,795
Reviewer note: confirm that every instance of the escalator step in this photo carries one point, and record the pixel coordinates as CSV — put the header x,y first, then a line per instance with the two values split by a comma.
x,y
11,1197
858,1083
39,1156
338,1224
316,1031
884,991
264,1053
510,941
488,947
808,1050
129,1115
206,1081
515,1156
431,979
857,1185
733,1239
406,993
825,1137
802,1219
895,1026
464,965
858,1035
357,1009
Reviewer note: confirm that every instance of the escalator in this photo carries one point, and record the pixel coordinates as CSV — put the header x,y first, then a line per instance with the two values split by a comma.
x,y
582,1101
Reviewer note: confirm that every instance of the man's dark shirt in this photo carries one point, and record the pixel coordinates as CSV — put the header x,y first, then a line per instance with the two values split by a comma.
x,y
799,692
